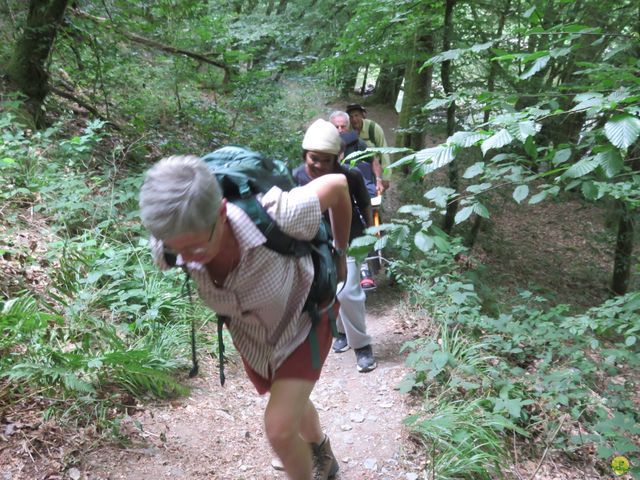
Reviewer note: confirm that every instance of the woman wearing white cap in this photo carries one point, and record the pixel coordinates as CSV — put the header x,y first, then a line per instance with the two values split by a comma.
x,y
321,148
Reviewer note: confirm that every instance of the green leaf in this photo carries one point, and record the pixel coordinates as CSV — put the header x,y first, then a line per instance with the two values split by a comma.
x,y
479,187
439,195
497,140
582,168
466,139
611,162
433,158
530,148
630,341
444,56
560,52
520,193
423,241
587,101
622,130
538,197
523,130
479,47
538,65
438,102
589,190
561,156
440,359
480,209
463,214
474,170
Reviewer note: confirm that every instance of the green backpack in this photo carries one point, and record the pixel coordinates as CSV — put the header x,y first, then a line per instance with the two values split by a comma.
x,y
243,174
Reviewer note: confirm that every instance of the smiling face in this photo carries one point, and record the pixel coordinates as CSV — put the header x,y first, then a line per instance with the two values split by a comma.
x,y
319,163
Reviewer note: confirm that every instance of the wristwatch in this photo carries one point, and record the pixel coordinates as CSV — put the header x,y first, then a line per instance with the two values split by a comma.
x,y
340,252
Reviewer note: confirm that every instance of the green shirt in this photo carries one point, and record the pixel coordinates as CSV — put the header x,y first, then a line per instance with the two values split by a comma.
x,y
369,129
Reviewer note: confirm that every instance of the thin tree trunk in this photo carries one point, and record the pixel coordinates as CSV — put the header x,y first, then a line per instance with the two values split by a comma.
x,y
452,207
623,255
387,85
282,6
364,80
27,67
417,89
491,84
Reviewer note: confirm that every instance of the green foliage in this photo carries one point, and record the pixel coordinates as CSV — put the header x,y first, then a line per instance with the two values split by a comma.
x,y
111,324
520,370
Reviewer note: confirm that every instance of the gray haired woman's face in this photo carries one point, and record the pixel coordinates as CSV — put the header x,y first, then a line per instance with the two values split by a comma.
x,y
199,247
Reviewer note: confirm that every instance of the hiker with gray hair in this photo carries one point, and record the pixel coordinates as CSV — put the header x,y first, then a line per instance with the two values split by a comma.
x,y
260,291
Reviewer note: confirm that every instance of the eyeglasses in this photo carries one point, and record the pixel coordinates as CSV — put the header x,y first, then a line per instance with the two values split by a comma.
x,y
191,251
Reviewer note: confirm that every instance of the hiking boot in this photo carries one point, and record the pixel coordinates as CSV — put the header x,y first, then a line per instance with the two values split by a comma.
x,y
365,360
340,344
325,465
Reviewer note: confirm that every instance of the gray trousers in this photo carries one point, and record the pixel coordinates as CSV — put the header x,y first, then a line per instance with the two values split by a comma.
x,y
351,319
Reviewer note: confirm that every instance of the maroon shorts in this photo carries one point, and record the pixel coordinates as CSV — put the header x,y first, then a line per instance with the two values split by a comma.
x,y
298,364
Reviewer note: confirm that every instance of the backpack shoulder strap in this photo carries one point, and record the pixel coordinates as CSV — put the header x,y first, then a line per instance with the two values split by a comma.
x,y
372,133
277,240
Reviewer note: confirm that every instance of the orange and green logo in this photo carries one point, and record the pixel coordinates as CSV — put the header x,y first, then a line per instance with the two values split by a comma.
x,y
620,465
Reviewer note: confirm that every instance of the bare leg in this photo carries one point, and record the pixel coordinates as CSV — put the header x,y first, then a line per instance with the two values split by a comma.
x,y
289,416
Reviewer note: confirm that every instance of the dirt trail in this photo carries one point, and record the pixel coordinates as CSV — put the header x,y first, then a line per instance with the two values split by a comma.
x,y
216,433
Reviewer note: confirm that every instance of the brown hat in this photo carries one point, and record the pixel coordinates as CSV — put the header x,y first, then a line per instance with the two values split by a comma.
x,y
355,106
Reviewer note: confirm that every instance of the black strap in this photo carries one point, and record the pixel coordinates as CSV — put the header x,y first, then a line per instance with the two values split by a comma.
x,y
372,134
277,240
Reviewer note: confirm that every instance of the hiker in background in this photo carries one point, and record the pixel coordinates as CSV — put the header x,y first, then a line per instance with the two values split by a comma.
x,y
321,148
373,135
262,292
352,143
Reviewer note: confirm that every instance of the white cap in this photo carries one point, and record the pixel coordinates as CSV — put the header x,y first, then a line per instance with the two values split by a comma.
x,y
323,137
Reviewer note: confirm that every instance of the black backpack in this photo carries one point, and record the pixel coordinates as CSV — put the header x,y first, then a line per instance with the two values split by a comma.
x,y
243,174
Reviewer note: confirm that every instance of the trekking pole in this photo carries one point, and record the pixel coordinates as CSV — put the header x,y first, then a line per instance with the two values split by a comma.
x,y
194,360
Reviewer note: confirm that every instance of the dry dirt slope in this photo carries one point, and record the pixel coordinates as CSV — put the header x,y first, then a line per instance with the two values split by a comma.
x,y
216,433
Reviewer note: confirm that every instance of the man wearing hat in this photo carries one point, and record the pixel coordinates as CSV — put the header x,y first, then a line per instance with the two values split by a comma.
x,y
373,135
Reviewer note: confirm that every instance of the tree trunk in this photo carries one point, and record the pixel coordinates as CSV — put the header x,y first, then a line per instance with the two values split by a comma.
x,y
452,207
269,8
346,77
417,89
623,256
27,67
622,262
282,6
387,86
364,80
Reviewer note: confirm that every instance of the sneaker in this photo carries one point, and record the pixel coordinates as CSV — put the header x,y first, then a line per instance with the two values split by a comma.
x,y
368,284
325,465
365,360
340,344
